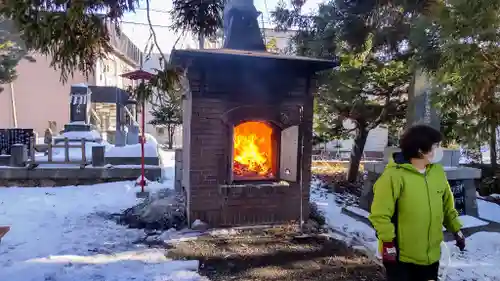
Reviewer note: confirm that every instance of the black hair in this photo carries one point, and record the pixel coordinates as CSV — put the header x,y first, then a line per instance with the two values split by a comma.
x,y
418,140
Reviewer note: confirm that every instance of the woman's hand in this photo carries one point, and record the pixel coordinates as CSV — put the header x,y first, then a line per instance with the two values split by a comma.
x,y
389,252
460,240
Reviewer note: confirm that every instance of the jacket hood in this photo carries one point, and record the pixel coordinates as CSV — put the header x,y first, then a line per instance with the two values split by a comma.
x,y
399,161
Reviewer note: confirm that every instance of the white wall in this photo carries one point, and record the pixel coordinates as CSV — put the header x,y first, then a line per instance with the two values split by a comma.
x,y
377,141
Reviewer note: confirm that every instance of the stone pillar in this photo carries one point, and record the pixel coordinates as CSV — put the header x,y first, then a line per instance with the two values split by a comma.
x,y
18,155
420,109
98,156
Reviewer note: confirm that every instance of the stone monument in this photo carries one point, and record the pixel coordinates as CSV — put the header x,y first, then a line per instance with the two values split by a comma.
x,y
463,180
79,108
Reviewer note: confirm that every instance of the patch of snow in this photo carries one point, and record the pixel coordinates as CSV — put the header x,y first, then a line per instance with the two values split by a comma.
x,y
168,164
133,150
479,261
488,210
343,227
470,221
358,211
494,195
173,236
76,135
224,232
64,234
151,139
196,223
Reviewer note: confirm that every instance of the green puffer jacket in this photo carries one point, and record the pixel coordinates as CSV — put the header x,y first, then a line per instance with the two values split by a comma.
x,y
411,208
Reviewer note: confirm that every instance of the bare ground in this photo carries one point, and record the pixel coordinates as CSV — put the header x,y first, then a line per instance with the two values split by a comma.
x,y
276,254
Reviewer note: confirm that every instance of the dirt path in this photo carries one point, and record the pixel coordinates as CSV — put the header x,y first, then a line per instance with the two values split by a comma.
x,y
275,254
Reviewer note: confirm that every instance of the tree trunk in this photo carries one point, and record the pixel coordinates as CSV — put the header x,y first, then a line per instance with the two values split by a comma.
x,y
201,41
493,146
356,154
170,137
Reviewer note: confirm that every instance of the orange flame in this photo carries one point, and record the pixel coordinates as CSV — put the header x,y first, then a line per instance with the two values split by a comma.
x,y
252,150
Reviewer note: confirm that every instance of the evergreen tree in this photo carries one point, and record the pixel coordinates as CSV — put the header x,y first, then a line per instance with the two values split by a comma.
x,y
73,33
370,87
201,17
169,116
465,63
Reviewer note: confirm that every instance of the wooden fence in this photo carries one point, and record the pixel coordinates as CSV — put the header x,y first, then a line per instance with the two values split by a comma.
x,y
50,153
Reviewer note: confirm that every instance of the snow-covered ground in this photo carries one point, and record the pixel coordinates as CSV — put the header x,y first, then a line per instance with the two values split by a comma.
x,y
479,262
63,234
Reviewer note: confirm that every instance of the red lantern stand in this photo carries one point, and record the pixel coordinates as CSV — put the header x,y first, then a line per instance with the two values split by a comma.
x,y
142,76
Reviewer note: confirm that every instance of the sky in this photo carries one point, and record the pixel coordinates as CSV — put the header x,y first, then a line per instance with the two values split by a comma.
x,y
134,25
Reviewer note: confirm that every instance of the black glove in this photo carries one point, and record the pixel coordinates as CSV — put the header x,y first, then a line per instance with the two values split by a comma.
x,y
460,240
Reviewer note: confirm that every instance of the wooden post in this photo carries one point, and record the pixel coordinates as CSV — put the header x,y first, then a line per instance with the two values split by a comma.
x,y
66,150
84,157
49,155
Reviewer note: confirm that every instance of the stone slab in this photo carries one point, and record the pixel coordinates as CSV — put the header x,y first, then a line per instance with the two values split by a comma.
x,y
132,161
76,175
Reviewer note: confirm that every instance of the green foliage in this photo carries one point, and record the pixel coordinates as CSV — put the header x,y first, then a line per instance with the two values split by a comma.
x,y
372,81
73,33
370,87
158,89
168,115
8,62
201,17
465,62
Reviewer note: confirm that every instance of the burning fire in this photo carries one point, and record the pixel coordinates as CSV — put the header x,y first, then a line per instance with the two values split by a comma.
x,y
253,150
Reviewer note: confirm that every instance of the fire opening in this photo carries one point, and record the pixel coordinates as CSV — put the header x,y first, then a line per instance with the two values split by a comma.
x,y
253,155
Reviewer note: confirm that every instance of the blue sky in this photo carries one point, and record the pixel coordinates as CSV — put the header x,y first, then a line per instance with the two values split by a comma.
x,y
134,25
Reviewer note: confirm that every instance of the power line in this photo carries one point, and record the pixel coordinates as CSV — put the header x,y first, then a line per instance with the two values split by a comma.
x,y
145,24
153,10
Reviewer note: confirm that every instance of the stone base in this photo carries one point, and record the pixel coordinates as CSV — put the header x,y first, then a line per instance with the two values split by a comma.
x,y
77,128
463,180
71,176
155,161
253,204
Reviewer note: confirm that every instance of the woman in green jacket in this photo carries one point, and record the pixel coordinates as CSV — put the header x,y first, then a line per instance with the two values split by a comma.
x,y
412,201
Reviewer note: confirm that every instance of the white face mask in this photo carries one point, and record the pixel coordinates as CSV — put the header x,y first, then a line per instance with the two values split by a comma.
x,y
436,155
